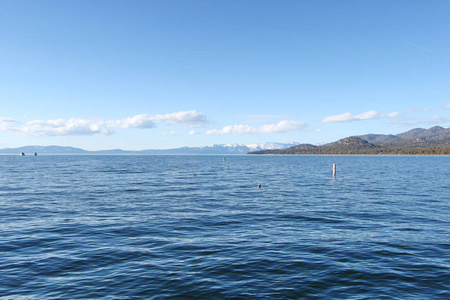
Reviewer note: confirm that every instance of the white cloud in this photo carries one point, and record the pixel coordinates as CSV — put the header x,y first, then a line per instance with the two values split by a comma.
x,y
370,115
282,126
445,106
348,117
191,118
234,129
62,127
193,132
394,114
143,121
77,126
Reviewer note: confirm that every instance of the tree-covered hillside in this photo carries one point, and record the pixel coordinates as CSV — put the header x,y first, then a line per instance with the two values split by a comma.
x,y
435,140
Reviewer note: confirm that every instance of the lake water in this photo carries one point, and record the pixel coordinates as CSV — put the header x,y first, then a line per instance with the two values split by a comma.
x,y
146,227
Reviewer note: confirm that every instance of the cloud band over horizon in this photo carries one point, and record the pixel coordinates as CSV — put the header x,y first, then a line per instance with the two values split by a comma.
x,y
78,126
193,119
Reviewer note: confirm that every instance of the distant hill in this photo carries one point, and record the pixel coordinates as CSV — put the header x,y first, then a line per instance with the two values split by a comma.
x,y
379,138
224,149
435,140
303,147
432,133
43,150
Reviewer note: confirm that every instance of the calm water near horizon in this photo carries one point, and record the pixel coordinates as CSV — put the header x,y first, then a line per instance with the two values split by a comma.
x,y
146,227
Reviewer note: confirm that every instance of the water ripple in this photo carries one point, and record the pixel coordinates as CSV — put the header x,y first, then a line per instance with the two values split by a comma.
x,y
145,227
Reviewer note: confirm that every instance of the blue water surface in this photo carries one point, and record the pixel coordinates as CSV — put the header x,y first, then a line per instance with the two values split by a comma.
x,y
198,227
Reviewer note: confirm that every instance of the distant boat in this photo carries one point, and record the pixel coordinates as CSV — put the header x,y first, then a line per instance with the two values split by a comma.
x,y
22,154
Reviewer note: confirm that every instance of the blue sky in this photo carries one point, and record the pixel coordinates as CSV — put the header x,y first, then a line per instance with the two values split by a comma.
x,y
165,74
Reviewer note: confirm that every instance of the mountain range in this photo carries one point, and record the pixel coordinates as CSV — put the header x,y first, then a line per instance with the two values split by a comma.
x,y
435,140
224,149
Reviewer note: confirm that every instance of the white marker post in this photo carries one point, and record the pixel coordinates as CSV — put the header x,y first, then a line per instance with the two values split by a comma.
x,y
334,170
